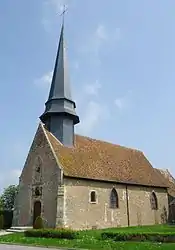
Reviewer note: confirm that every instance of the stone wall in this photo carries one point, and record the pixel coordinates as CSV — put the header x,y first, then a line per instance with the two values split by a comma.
x,y
139,205
48,181
171,216
81,214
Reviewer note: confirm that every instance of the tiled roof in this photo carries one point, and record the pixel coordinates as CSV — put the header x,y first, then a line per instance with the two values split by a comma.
x,y
99,160
168,179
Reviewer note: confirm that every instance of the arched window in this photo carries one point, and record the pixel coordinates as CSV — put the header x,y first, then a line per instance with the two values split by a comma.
x,y
153,200
38,164
93,197
38,191
38,170
114,202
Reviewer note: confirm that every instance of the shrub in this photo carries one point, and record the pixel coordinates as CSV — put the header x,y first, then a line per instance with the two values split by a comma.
x,y
7,218
38,224
52,233
154,237
1,221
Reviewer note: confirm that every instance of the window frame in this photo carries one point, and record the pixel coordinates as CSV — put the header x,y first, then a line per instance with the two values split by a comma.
x,y
154,206
90,200
111,204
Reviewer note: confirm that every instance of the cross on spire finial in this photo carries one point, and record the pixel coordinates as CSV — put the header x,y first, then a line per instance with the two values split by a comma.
x,y
63,12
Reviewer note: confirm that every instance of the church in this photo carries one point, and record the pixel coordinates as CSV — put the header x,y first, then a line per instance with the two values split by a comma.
x,y
77,182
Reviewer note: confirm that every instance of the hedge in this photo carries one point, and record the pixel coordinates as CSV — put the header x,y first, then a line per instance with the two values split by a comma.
x,y
52,233
154,237
1,221
7,217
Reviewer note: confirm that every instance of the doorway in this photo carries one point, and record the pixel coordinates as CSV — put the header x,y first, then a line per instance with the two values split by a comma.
x,y
36,210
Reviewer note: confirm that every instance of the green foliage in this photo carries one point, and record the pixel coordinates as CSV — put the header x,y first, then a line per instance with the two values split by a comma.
x,y
7,218
1,204
154,237
1,221
52,233
7,199
91,239
38,224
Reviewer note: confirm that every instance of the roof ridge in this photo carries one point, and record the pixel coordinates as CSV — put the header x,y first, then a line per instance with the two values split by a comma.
x,y
166,173
108,162
98,140
107,142
51,146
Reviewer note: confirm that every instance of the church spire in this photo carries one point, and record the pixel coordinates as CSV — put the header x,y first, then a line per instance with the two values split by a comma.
x,y
60,116
60,87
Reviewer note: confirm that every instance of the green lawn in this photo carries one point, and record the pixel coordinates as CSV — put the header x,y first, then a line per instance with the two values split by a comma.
x,y
91,240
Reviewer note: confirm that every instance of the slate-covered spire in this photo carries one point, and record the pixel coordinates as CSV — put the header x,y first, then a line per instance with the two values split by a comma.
x,y
60,87
60,116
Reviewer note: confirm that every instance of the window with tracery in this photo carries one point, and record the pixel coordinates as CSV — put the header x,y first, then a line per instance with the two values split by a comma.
x,y
153,201
38,191
114,201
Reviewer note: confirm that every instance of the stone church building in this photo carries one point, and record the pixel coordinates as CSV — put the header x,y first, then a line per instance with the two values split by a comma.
x,y
83,183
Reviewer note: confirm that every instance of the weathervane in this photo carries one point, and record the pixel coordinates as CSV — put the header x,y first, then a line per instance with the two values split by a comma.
x,y
63,12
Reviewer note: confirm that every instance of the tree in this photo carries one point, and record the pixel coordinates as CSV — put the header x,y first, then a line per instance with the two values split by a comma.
x,y
1,204
8,197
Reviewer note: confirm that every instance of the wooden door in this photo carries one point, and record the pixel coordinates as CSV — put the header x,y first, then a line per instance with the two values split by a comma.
x,y
36,210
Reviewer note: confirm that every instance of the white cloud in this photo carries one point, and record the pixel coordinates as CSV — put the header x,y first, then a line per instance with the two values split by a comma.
x,y
51,11
92,89
44,81
120,103
124,102
10,177
101,32
102,36
11,171
95,42
93,115
57,5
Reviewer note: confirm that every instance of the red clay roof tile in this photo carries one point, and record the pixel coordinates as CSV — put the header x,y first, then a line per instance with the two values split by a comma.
x,y
168,179
99,160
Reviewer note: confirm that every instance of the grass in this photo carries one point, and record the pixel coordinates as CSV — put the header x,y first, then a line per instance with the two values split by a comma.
x,y
91,240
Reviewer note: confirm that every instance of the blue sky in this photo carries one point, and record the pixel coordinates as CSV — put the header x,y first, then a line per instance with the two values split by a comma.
x,y
121,60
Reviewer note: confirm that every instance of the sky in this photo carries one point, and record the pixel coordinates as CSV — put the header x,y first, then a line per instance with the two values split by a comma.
x,y
121,62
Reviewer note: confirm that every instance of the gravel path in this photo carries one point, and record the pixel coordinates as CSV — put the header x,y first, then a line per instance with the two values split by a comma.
x,y
4,233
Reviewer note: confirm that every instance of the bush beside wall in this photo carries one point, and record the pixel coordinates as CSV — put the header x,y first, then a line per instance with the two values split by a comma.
x,y
38,223
51,233
154,237
1,221
7,218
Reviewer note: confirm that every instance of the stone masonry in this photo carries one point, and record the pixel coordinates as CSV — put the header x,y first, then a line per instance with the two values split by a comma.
x,y
50,184
81,214
65,202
